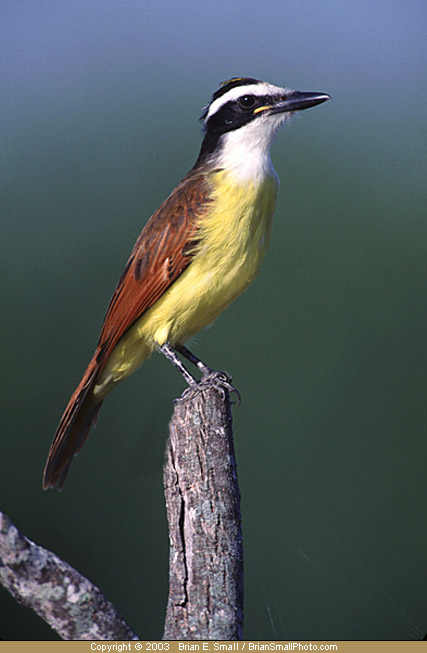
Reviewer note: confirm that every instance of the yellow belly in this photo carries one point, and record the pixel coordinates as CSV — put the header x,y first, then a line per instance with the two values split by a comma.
x,y
233,240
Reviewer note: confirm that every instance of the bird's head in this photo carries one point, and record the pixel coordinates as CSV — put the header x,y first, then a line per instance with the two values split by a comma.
x,y
245,113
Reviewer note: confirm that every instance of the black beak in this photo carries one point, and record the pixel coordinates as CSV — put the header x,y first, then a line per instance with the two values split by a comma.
x,y
298,100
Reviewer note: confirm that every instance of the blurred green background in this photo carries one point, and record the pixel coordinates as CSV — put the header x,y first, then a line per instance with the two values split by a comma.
x,y
100,102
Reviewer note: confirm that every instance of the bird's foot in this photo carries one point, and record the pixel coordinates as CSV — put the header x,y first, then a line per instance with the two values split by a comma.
x,y
221,381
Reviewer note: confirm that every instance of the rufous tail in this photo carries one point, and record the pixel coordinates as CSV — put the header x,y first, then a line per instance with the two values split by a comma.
x,y
73,429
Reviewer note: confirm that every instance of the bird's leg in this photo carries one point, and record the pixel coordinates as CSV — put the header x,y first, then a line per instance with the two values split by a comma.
x,y
205,369
167,351
209,376
220,380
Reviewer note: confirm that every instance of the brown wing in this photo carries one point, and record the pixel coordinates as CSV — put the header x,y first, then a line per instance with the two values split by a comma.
x,y
161,254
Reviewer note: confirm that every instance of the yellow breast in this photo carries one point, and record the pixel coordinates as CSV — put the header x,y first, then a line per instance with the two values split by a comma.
x,y
232,241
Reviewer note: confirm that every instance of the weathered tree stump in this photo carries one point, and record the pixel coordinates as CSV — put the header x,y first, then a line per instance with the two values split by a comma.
x,y
203,509
206,560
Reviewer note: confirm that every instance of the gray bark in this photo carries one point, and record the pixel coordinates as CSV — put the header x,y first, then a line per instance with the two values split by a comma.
x,y
203,509
206,559
65,599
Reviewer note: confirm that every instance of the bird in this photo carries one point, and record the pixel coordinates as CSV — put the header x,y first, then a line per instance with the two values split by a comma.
x,y
197,253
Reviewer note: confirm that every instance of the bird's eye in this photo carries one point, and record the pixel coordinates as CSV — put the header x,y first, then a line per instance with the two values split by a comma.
x,y
247,101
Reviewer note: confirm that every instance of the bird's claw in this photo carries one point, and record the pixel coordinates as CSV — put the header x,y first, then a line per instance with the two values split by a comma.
x,y
221,381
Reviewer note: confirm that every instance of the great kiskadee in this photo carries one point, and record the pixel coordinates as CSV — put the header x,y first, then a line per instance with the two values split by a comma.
x,y
196,254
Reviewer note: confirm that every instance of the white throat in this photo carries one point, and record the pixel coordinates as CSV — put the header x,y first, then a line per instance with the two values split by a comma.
x,y
245,152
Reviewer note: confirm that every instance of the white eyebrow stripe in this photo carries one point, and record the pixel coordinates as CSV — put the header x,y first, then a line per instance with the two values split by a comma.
x,y
263,88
